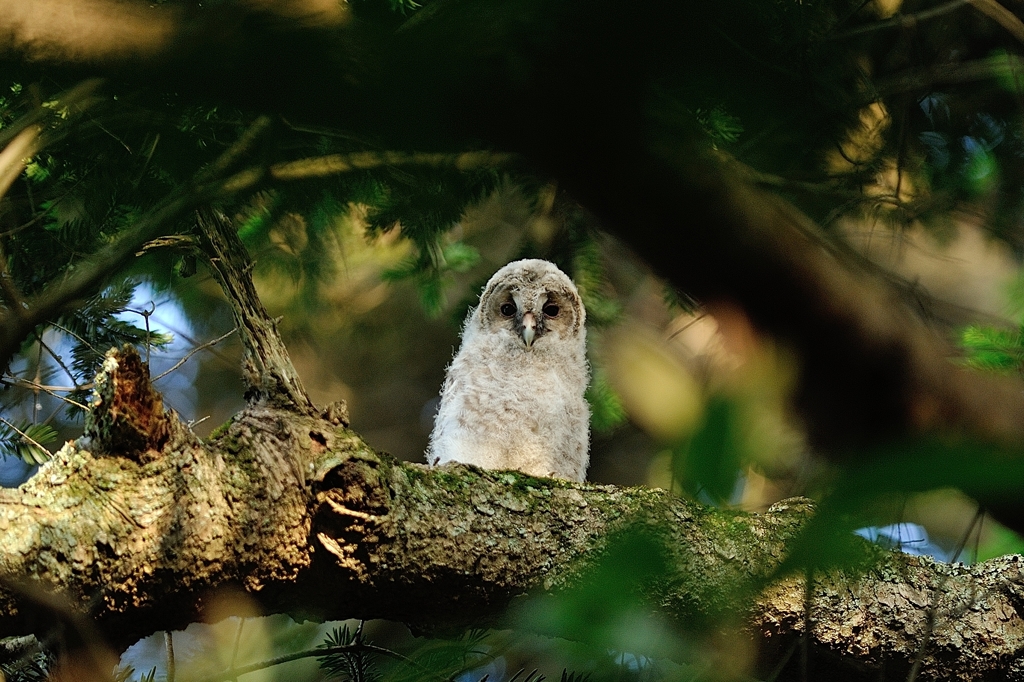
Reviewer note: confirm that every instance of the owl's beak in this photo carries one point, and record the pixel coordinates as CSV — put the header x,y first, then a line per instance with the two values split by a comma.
x,y
529,329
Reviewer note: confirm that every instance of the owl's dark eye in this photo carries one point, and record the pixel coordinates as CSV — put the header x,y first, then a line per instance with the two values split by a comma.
x,y
551,310
508,309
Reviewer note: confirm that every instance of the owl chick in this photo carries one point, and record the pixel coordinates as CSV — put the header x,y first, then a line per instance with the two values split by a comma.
x,y
513,396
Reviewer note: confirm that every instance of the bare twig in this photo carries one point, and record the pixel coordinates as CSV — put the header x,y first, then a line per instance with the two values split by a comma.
x,y
146,314
56,358
234,649
77,336
50,390
169,644
195,350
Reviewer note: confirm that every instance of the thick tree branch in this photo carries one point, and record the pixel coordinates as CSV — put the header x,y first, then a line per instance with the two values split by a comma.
x,y
307,519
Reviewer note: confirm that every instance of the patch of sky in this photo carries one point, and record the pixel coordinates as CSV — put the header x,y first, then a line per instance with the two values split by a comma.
x,y
166,316
909,538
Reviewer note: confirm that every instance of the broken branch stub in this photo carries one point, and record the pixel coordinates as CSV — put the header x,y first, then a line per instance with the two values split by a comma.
x,y
127,416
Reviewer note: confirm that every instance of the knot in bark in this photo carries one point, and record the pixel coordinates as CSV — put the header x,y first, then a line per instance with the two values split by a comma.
x,y
352,513
336,413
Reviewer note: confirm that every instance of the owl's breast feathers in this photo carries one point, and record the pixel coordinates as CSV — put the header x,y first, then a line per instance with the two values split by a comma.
x,y
514,410
513,397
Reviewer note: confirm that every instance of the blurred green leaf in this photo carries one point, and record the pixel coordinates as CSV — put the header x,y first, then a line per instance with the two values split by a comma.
x,y
720,126
460,257
709,461
611,607
864,491
606,410
987,348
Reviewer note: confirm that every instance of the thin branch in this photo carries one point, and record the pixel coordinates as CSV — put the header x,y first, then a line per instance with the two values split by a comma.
x,y
56,358
240,148
50,390
38,379
77,98
145,315
1002,16
335,164
208,344
234,649
902,20
169,643
183,334
686,326
77,337
987,68
13,156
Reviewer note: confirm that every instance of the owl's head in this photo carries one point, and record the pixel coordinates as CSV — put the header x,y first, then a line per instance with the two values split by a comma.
x,y
531,303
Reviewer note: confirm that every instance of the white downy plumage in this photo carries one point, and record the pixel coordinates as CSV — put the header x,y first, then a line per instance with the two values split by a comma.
x,y
513,396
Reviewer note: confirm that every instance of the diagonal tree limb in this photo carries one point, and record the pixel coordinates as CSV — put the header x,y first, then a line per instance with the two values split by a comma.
x,y
268,368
